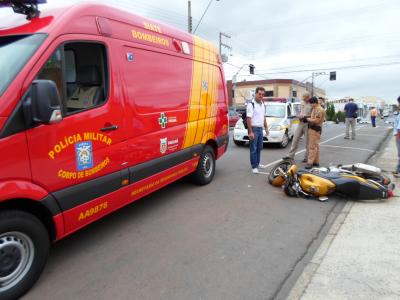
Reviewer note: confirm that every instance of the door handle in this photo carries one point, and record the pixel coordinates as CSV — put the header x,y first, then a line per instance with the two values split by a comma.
x,y
109,128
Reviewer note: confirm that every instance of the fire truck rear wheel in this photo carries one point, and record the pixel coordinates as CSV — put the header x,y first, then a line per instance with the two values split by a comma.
x,y
205,168
24,248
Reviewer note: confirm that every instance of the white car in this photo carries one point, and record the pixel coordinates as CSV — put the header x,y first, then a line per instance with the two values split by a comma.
x,y
280,115
364,121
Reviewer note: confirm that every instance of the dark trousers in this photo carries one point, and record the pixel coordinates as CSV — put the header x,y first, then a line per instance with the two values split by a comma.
x,y
373,119
256,146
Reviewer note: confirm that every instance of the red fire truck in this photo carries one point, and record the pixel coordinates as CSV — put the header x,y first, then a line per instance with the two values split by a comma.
x,y
98,108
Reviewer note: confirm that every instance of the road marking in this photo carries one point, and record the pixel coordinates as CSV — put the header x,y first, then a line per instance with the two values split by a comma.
x,y
369,134
264,173
351,148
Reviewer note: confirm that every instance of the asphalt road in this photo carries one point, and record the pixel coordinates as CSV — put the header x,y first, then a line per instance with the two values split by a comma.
x,y
236,238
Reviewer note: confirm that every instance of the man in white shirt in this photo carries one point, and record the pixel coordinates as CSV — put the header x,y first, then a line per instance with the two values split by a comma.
x,y
256,121
396,132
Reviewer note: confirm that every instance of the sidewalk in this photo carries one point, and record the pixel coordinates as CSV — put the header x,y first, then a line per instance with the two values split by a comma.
x,y
360,256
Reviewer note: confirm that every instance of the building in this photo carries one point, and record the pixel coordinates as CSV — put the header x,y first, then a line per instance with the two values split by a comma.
x,y
364,104
284,88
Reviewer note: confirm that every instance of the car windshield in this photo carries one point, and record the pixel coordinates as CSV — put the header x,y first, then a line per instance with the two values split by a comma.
x,y
275,111
14,53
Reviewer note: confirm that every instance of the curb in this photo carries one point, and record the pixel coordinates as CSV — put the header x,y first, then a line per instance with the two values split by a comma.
x,y
312,267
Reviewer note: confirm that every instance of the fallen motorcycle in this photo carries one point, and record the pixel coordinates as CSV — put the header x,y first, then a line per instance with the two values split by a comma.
x,y
355,181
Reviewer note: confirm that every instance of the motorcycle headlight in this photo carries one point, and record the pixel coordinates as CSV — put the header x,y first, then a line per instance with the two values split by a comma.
x,y
275,128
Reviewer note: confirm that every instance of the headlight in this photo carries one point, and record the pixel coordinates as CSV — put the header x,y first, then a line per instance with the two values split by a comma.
x,y
275,128
239,125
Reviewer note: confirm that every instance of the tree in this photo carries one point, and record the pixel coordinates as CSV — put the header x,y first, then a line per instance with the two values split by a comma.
x,y
330,112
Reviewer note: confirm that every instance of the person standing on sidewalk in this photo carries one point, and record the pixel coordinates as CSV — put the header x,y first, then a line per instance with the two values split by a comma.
x,y
351,116
314,132
396,132
256,121
302,128
373,113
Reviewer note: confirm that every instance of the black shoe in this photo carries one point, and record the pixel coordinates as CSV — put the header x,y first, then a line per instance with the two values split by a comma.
x,y
346,138
308,166
315,165
286,158
304,160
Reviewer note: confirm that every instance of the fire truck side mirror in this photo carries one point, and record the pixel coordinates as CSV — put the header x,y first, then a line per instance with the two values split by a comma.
x,y
42,105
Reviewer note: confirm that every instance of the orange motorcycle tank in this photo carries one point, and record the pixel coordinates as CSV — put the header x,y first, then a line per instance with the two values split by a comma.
x,y
315,185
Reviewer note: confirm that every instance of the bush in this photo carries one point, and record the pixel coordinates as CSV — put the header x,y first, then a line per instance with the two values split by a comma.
x,y
340,115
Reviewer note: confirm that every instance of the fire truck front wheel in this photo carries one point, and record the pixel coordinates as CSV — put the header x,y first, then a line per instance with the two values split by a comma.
x,y
205,168
24,248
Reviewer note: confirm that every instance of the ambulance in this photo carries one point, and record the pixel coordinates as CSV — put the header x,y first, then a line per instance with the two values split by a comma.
x,y
281,115
98,108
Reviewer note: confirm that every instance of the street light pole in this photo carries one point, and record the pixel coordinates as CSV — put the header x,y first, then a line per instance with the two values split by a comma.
x,y
234,80
315,74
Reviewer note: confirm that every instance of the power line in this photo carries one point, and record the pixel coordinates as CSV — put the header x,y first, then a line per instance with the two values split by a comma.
x,y
333,62
336,68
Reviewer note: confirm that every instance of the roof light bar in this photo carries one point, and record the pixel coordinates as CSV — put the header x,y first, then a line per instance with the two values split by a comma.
x,y
28,7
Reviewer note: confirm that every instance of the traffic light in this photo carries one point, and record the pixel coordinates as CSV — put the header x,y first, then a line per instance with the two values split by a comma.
x,y
251,69
332,75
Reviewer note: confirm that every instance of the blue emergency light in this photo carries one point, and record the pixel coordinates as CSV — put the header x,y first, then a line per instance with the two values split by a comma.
x,y
25,7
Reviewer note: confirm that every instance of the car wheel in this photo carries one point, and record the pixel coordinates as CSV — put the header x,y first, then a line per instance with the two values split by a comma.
x,y
24,248
285,140
206,167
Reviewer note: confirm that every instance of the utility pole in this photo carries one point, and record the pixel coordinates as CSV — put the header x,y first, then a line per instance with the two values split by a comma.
x,y
190,17
221,44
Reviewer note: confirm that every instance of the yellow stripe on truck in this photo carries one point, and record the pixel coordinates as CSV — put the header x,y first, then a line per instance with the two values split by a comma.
x,y
203,97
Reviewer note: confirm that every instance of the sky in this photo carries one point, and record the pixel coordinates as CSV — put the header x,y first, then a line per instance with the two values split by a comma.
x,y
360,40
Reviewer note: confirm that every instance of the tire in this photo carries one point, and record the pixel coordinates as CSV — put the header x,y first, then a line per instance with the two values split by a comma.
x,y
285,141
24,248
284,165
206,167
239,143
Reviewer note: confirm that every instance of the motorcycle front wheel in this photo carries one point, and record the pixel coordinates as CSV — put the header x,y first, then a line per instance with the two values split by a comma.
x,y
275,178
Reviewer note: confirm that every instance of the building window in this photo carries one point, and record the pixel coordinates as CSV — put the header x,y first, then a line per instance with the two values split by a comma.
x,y
269,93
294,94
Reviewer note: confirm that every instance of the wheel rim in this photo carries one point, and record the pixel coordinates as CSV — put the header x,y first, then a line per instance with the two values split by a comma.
x,y
285,140
16,258
208,165
284,167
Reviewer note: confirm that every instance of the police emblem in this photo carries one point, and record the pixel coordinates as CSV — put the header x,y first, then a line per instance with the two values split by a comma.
x,y
163,145
84,155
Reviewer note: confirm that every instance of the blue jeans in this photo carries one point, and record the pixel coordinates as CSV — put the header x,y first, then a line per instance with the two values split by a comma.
x,y
256,146
373,121
398,155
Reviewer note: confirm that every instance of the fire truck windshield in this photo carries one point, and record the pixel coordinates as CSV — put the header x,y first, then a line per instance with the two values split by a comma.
x,y
14,53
